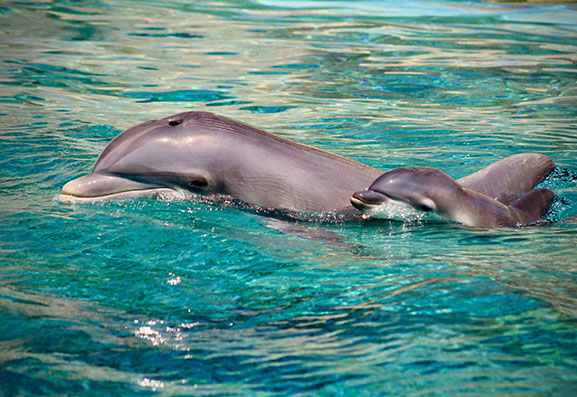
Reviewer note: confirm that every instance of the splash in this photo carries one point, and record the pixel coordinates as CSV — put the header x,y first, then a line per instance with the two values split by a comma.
x,y
401,212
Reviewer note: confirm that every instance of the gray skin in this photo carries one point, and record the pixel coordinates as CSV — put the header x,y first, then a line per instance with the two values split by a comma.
x,y
211,155
430,190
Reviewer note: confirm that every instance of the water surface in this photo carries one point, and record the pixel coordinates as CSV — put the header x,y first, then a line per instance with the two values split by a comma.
x,y
186,298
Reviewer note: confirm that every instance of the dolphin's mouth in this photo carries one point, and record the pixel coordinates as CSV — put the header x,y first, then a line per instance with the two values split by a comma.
x,y
378,205
98,187
368,199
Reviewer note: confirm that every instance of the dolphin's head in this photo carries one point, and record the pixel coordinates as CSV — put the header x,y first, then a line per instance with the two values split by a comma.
x,y
422,188
153,158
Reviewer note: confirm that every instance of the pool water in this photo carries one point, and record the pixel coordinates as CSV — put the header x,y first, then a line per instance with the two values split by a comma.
x,y
185,298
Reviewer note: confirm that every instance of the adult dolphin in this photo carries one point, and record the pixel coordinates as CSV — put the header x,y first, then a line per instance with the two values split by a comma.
x,y
431,190
208,154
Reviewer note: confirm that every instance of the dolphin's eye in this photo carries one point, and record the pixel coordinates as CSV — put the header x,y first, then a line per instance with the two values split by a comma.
x,y
425,204
424,207
198,184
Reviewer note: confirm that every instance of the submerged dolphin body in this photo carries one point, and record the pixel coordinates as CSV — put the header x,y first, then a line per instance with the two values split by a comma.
x,y
204,153
430,190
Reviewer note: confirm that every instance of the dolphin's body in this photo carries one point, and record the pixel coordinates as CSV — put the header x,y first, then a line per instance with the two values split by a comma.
x,y
430,190
207,154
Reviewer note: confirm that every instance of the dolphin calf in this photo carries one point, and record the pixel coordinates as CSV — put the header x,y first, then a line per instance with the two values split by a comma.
x,y
208,154
431,190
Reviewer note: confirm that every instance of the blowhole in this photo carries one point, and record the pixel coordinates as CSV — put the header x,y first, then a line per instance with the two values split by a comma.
x,y
174,122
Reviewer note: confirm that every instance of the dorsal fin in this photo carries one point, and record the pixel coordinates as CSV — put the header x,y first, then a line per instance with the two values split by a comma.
x,y
509,177
533,204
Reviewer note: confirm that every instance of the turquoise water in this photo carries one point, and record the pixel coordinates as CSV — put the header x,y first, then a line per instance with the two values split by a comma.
x,y
184,298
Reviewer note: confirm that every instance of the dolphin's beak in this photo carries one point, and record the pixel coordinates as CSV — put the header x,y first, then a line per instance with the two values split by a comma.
x,y
367,199
98,187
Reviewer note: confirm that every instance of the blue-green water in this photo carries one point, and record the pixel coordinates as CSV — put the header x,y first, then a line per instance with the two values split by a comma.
x,y
183,298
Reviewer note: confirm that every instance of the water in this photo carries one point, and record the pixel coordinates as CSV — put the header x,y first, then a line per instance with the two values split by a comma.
x,y
158,297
